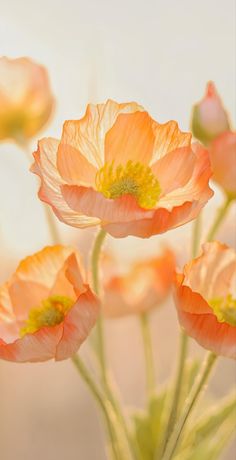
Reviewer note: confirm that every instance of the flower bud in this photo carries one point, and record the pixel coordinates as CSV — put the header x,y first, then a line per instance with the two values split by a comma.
x,y
209,118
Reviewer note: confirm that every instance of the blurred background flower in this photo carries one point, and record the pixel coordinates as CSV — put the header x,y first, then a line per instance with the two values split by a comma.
x,y
162,55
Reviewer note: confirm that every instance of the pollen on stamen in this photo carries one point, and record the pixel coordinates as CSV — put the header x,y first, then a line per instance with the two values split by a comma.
x,y
50,313
134,178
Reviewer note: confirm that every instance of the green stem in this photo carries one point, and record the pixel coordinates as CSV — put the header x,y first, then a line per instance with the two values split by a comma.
x,y
147,345
197,225
95,277
100,348
189,404
219,218
102,402
177,388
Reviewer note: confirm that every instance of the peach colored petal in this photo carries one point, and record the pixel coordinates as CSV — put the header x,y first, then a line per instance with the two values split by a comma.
x,y
87,200
45,166
161,221
168,137
197,188
211,274
189,301
6,310
37,347
223,161
26,295
174,169
78,324
209,333
73,167
144,287
130,138
43,266
88,134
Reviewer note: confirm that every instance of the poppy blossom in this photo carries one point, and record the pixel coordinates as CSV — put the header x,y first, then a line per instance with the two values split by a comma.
x,y
46,308
26,100
205,300
223,162
118,168
143,287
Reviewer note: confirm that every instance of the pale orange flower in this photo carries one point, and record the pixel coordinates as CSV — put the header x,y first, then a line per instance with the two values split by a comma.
x,y
209,118
204,299
26,100
118,168
144,287
46,308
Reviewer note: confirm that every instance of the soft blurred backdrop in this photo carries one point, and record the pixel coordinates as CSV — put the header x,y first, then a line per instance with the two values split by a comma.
x,y
160,53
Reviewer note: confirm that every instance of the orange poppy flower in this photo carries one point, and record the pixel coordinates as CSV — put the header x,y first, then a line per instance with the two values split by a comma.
x,y
145,286
209,118
46,308
26,100
118,168
204,299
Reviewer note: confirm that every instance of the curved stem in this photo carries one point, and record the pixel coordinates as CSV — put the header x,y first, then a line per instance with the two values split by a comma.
x,y
177,388
95,277
147,345
189,404
197,225
219,218
100,400
47,211
100,348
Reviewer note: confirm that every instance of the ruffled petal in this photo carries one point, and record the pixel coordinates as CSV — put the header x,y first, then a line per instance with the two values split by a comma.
x,y
130,138
88,134
211,274
78,324
174,169
87,200
197,188
168,137
161,221
45,166
209,333
37,347
73,167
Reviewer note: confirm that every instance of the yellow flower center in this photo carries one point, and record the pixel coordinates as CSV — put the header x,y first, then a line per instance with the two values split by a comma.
x,y
134,178
51,312
225,309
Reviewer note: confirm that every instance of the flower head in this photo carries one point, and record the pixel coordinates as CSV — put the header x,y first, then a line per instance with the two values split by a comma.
x,y
46,308
205,300
144,287
26,100
118,168
209,118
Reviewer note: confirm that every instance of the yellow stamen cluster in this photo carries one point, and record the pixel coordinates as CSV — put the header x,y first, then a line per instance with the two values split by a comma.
x,y
134,178
51,312
225,309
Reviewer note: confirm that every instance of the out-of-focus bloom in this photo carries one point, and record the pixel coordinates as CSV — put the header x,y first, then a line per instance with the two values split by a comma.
x,y
26,100
223,161
145,286
204,299
46,308
119,168
209,118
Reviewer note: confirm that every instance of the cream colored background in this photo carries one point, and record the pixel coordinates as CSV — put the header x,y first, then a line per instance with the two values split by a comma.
x,y
159,53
